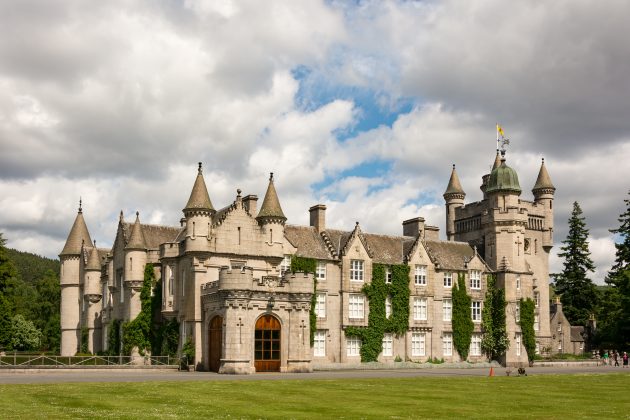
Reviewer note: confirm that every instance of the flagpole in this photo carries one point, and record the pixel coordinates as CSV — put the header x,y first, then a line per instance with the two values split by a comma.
x,y
497,127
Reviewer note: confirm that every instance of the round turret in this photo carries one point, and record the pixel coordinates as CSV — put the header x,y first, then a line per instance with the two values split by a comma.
x,y
503,179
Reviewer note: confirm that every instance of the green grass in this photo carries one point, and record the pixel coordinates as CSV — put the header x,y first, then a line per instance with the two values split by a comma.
x,y
540,397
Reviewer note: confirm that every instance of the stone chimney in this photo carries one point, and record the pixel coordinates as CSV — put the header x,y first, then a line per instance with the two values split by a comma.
x,y
414,227
318,217
250,202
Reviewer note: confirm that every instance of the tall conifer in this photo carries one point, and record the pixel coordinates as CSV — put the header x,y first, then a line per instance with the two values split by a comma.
x,y
578,293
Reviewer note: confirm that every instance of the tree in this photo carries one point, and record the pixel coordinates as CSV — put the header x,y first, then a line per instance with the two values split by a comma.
x,y
462,320
137,333
7,281
47,315
578,294
495,339
619,280
24,334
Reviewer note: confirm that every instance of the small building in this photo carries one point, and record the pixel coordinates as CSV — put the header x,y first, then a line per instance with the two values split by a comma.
x,y
566,338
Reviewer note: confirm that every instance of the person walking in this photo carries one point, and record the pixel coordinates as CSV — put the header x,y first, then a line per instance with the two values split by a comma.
x,y
605,357
625,359
616,358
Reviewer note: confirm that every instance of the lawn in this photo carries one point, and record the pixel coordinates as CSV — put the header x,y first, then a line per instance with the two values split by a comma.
x,y
544,396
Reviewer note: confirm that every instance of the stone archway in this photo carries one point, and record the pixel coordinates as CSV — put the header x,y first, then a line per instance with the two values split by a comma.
x,y
267,344
215,345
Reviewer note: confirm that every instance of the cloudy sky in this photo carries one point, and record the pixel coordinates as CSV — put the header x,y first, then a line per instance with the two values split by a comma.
x,y
363,106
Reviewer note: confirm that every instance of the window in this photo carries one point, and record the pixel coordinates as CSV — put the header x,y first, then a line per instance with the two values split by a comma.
x,y
356,270
285,265
536,299
356,304
537,347
447,310
448,280
475,308
475,279
320,305
320,273
388,275
420,275
419,309
388,344
517,313
171,280
388,306
353,346
475,345
518,344
319,343
536,322
121,281
447,344
518,282
418,344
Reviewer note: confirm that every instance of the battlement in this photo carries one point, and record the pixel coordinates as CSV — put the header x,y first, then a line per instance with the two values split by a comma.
x,y
243,279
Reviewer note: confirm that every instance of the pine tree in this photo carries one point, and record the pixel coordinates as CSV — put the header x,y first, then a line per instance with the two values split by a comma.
x,y
8,275
619,279
578,293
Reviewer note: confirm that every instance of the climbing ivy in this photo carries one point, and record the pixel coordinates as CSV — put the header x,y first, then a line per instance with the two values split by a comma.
x,y
527,327
495,339
462,320
378,324
84,340
113,348
137,333
308,265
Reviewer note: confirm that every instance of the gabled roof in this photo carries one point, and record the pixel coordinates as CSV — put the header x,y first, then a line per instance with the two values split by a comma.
x,y
449,255
77,237
577,333
270,207
307,241
154,235
388,249
199,198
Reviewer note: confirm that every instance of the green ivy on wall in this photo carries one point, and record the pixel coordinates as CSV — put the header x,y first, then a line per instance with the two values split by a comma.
x,y
137,333
494,342
378,324
527,327
462,319
113,348
308,265
84,340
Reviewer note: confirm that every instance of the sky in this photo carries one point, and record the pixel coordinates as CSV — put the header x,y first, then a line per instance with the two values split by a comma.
x,y
363,106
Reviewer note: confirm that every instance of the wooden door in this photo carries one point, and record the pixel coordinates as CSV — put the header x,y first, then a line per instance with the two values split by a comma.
x,y
267,344
215,336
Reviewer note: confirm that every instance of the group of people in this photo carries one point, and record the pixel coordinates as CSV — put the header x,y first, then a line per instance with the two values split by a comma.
x,y
613,357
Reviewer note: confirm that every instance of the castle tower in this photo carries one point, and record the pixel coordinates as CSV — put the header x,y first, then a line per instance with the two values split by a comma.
x,y
70,258
454,197
198,215
271,213
135,260
543,195
92,296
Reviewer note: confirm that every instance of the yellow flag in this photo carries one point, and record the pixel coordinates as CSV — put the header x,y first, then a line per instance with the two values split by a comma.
x,y
500,130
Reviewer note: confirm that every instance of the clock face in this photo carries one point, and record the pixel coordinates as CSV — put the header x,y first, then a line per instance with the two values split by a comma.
x,y
526,245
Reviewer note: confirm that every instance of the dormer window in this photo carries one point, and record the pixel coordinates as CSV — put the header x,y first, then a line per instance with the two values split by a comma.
x,y
356,270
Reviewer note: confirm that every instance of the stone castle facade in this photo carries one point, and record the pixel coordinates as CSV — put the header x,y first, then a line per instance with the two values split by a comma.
x,y
226,279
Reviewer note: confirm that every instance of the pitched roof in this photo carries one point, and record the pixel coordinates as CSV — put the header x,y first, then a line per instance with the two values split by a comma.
x,y
154,235
454,186
307,241
199,198
136,239
389,249
544,180
338,239
577,333
449,255
271,204
78,235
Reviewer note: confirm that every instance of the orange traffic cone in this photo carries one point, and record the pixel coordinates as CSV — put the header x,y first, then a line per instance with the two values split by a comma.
x,y
491,372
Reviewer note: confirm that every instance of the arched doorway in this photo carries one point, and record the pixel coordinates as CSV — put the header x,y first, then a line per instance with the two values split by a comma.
x,y
215,335
267,344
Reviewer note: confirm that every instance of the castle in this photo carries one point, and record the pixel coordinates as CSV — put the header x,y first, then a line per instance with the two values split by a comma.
x,y
226,279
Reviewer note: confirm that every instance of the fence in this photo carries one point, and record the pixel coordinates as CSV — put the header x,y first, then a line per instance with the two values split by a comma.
x,y
24,360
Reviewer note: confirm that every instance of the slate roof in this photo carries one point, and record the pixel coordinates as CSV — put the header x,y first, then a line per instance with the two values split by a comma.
x,y
338,239
388,249
199,198
449,255
544,180
454,186
307,241
576,333
154,235
271,204
78,235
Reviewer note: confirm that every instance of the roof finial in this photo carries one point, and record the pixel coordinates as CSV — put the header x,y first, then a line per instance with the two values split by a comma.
x,y
137,213
270,176
121,217
80,205
94,243
238,192
199,170
453,166
543,160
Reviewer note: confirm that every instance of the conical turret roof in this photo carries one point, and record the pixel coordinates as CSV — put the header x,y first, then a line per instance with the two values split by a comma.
x,y
497,161
78,235
136,239
271,205
94,262
454,186
543,181
199,198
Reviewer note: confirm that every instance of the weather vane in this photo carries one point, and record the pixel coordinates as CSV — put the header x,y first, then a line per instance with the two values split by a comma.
x,y
502,141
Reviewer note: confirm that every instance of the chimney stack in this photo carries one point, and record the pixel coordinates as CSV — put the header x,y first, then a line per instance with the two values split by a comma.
x,y
250,202
414,227
318,217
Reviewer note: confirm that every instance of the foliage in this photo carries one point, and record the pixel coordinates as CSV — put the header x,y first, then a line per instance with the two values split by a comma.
x,y
24,334
462,320
137,333
617,309
114,348
83,345
527,327
47,310
157,321
169,333
303,264
435,361
578,294
495,340
378,324
7,282
31,266
188,350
